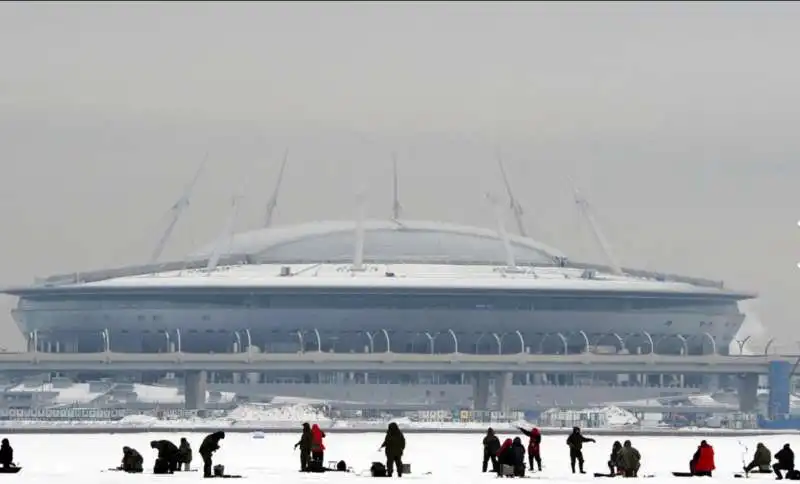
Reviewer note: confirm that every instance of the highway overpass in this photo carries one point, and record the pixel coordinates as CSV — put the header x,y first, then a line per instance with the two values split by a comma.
x,y
480,367
398,362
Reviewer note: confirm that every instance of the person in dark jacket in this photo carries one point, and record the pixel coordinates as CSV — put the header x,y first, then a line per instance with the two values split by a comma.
x,y
534,454
394,444
702,463
305,447
491,444
575,442
6,454
785,458
505,456
132,461
167,460
518,451
630,459
762,459
614,466
184,454
207,448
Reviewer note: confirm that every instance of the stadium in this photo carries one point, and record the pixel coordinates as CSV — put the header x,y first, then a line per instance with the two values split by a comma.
x,y
387,285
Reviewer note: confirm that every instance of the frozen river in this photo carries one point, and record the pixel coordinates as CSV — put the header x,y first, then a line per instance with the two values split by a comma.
x,y
448,458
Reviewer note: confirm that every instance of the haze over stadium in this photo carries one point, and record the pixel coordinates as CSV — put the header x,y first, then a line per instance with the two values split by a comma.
x,y
662,139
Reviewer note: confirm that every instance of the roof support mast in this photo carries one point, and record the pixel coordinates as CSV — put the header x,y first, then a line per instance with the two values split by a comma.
x,y
397,209
177,210
511,262
273,201
358,255
224,238
516,208
585,210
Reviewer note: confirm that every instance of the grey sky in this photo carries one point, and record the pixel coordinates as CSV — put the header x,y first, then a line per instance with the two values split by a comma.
x,y
678,121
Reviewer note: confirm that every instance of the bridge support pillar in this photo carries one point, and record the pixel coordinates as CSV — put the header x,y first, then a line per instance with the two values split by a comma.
x,y
502,384
713,382
779,388
253,377
195,390
748,392
480,391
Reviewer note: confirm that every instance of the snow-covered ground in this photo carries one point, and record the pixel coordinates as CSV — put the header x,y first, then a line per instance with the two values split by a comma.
x,y
449,458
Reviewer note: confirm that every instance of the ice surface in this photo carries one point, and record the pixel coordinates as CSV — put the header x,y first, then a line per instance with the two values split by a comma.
x,y
450,458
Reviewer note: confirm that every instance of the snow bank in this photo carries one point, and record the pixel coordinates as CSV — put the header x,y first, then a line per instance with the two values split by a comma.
x,y
81,393
596,417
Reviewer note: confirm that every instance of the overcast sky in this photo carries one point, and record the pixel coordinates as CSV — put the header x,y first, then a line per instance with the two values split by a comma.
x,y
677,120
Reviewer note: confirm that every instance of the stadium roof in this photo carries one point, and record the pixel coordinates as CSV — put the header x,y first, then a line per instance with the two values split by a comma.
x,y
384,241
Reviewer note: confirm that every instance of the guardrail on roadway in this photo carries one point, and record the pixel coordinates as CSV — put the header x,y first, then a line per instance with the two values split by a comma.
x,y
403,362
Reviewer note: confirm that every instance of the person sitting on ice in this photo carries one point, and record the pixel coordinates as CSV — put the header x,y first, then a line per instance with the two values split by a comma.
x,y
505,456
518,451
614,463
785,458
630,459
132,461
762,459
6,454
702,463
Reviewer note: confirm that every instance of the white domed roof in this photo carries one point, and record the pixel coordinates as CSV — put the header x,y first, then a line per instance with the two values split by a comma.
x,y
385,242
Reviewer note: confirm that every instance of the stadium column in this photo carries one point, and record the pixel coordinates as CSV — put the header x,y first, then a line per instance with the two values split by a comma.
x,y
195,390
780,375
748,392
480,391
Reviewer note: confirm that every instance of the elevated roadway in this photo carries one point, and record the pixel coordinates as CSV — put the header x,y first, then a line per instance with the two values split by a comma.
x,y
399,362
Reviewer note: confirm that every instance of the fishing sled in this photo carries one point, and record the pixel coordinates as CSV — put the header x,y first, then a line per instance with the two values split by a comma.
x,y
745,475
10,470
643,476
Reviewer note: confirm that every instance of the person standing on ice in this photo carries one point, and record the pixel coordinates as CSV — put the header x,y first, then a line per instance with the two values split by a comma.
x,y
207,448
167,459
317,446
491,444
394,444
184,455
575,442
305,447
534,454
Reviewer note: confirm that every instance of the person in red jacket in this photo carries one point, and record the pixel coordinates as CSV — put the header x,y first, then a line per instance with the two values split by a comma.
x,y
317,447
703,460
533,447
